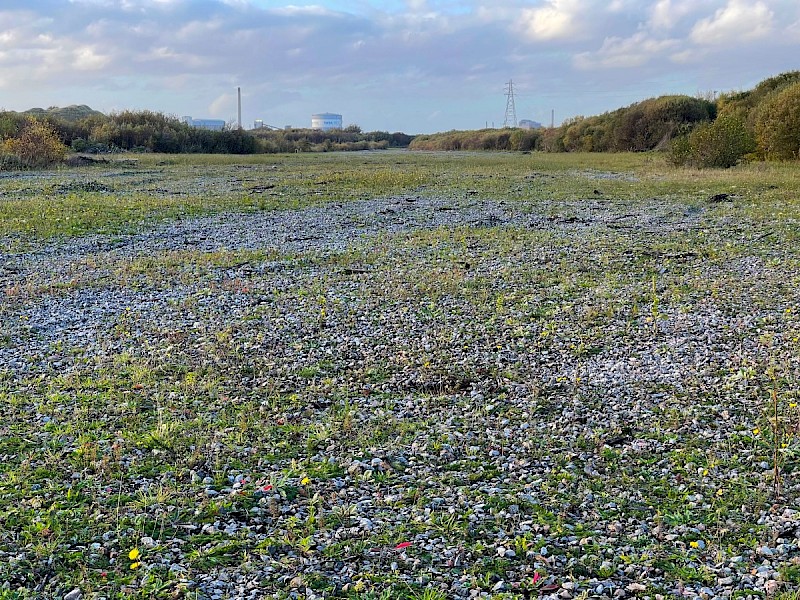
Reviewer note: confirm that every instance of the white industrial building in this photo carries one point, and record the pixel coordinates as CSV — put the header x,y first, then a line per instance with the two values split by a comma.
x,y
212,124
326,121
528,124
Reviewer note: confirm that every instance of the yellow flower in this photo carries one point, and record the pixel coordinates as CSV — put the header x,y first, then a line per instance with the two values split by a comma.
x,y
719,492
133,554
756,431
305,481
705,472
136,565
792,404
694,544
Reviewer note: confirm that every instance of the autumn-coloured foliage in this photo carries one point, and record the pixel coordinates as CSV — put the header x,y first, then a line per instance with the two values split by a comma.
x,y
37,145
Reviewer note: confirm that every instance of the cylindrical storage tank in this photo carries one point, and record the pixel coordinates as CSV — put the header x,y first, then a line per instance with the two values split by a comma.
x,y
326,121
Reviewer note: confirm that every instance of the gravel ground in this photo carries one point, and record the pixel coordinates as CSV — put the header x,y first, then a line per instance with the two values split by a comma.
x,y
469,397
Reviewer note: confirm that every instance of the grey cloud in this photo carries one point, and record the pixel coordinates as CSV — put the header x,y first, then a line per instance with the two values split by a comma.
x,y
184,55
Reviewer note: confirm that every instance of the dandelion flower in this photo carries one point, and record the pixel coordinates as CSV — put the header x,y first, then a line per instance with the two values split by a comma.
x,y
694,544
305,481
136,565
756,431
133,554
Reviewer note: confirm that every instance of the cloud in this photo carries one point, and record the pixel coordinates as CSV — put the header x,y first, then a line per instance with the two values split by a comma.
x,y
374,61
556,20
627,53
308,10
667,14
89,58
738,21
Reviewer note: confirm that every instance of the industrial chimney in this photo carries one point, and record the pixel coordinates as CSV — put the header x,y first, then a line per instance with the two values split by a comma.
x,y
239,94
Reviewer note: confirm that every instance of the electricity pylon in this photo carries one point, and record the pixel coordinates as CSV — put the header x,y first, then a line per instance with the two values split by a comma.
x,y
511,109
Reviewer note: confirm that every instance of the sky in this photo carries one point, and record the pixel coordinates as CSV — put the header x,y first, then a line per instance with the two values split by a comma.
x,y
417,66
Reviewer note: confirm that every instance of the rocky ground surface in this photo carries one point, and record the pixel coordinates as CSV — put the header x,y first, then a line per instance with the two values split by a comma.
x,y
412,395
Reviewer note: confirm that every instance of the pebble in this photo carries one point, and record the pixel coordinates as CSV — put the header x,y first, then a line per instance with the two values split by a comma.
x,y
465,461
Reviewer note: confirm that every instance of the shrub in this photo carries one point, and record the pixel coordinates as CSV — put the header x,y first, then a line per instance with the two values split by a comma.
x,y
642,126
653,122
746,103
79,145
722,143
777,124
482,139
37,145
10,123
10,162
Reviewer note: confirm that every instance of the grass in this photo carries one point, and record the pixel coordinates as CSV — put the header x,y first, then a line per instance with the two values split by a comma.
x,y
124,444
168,187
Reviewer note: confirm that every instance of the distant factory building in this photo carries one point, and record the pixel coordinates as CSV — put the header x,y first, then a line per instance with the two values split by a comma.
x,y
528,124
211,124
326,121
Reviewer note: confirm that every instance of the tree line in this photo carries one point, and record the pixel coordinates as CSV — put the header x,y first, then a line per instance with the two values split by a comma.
x,y
642,126
763,123
41,137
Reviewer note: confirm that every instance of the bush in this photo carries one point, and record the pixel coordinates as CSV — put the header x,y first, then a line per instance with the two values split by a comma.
x,y
79,145
482,139
10,162
722,143
777,124
746,103
640,127
37,145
